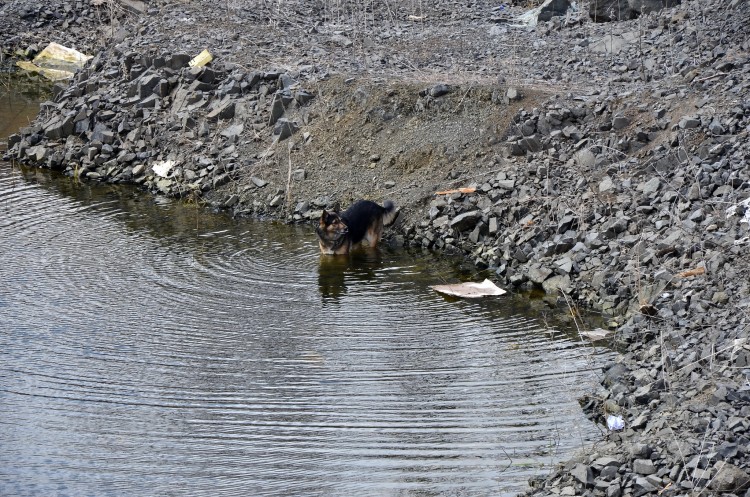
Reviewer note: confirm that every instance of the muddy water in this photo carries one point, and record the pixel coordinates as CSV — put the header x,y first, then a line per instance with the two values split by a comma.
x,y
151,348
19,103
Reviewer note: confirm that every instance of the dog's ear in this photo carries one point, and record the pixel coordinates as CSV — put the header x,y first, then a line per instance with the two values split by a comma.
x,y
324,218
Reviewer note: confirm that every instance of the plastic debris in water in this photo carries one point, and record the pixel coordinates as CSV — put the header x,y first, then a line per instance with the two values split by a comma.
x,y
470,289
615,423
595,334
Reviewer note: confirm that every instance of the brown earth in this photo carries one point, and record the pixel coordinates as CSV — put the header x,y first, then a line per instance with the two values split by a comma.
x,y
366,139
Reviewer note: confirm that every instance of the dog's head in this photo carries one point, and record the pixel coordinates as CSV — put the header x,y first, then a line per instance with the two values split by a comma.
x,y
331,228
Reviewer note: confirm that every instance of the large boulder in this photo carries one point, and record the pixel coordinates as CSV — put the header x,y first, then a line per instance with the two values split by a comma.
x,y
622,10
553,8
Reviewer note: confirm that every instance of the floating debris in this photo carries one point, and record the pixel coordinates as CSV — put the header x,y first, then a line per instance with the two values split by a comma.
x,y
595,334
470,289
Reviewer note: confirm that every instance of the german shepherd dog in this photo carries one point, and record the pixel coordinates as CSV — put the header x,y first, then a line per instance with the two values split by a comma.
x,y
339,233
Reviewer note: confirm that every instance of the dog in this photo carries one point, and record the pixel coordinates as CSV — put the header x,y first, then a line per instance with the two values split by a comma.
x,y
338,233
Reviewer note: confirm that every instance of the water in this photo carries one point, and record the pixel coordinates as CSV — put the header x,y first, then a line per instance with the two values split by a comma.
x,y
19,102
149,347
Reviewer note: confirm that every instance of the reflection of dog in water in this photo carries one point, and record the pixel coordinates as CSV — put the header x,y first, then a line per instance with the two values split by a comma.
x,y
336,273
338,232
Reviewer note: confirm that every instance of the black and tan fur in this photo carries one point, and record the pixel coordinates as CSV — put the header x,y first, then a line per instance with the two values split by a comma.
x,y
339,233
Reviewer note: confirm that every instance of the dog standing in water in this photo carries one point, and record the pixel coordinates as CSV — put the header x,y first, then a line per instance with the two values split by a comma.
x,y
338,232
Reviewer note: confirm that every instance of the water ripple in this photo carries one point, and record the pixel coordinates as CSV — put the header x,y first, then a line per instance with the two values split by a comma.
x,y
152,349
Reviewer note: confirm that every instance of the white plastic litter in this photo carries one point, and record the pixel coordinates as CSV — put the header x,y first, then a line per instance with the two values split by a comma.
x,y
163,168
615,423
732,211
595,334
470,290
56,62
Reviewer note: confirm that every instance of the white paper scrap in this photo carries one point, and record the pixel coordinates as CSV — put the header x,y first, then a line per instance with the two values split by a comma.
x,y
470,290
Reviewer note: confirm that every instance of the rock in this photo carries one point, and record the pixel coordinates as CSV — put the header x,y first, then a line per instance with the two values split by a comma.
x,y
537,274
148,103
515,148
585,158
303,96
605,461
341,40
557,283
531,144
572,132
232,132
285,128
642,486
729,478
644,466
59,127
512,94
276,201
147,84
567,223
564,266
260,183
552,8
689,122
650,186
619,121
506,184
223,109
101,133
614,490
583,475
466,221
493,226
701,476
281,101
439,90
610,44
606,185
615,226
178,61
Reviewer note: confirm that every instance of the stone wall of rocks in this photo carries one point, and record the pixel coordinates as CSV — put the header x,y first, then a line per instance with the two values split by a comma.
x,y
580,213
122,116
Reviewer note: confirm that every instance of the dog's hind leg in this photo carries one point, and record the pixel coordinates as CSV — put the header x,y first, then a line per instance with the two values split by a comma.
x,y
373,234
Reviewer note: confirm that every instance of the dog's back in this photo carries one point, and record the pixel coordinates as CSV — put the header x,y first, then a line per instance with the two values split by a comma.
x,y
364,220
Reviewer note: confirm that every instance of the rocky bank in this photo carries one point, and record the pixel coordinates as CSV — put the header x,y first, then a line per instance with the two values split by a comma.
x,y
607,163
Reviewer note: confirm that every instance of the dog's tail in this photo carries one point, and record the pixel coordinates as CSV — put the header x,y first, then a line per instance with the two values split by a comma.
x,y
390,213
